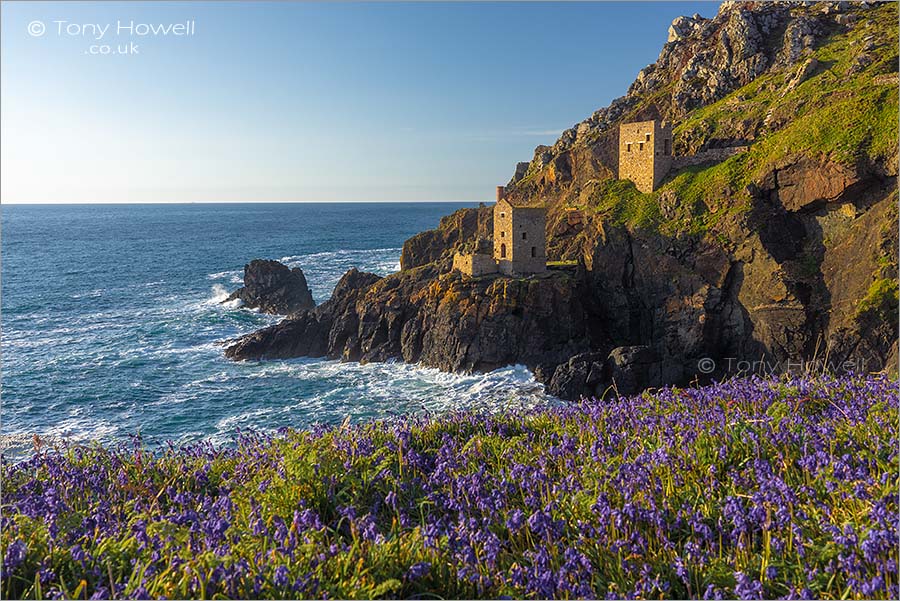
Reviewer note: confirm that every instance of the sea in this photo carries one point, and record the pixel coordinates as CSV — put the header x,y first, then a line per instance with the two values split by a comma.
x,y
113,323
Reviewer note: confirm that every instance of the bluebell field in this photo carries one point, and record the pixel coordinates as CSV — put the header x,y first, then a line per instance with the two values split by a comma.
x,y
753,488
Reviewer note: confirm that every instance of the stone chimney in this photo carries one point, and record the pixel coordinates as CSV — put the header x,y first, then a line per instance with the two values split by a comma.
x,y
501,193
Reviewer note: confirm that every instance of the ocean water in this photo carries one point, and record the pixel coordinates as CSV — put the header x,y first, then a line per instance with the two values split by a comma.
x,y
112,322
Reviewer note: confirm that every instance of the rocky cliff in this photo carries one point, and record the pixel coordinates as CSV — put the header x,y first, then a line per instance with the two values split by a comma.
x,y
444,320
786,253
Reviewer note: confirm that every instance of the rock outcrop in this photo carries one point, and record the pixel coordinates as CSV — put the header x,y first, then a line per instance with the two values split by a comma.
x,y
273,287
466,230
447,321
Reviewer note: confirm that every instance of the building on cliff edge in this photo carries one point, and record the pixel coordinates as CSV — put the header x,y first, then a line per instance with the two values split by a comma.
x,y
646,156
520,242
645,153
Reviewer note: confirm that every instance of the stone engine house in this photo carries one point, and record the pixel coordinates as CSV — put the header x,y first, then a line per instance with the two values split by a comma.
x,y
520,242
645,153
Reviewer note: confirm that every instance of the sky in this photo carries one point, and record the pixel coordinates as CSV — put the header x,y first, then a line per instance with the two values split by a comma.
x,y
281,101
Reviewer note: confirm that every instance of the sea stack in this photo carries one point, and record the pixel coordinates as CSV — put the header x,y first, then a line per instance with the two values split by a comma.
x,y
274,288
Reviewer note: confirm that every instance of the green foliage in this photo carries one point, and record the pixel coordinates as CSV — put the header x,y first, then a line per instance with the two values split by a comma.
x,y
881,299
568,263
832,115
623,203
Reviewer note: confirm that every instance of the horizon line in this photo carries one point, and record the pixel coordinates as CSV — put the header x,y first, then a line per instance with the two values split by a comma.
x,y
199,202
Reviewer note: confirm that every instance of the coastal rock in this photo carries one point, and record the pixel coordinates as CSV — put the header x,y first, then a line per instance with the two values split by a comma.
x,y
624,371
521,170
273,288
800,183
799,38
578,377
683,27
466,230
307,332
631,369
438,320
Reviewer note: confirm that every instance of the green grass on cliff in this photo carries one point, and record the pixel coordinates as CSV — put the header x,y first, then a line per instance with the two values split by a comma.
x,y
833,115
881,299
623,203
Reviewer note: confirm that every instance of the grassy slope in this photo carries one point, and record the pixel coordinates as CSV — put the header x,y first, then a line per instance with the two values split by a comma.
x,y
830,115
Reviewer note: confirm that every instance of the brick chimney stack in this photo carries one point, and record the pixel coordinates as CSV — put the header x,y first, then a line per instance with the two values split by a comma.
x,y
501,193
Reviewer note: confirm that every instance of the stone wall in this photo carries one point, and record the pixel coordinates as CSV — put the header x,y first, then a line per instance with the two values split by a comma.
x,y
713,155
503,219
645,153
474,264
520,239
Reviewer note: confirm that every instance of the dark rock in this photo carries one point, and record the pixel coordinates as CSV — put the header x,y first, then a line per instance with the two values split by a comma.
x,y
466,230
303,334
631,369
578,377
438,320
799,183
521,170
273,288
307,333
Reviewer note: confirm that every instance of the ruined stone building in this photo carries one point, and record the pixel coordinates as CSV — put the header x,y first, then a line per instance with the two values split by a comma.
x,y
520,242
645,153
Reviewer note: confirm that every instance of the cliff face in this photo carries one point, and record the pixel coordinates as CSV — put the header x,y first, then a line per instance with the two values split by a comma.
x,y
779,253
466,230
439,320
785,253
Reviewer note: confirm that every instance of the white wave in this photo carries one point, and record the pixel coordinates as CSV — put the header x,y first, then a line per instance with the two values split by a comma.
x,y
226,274
97,293
219,295
391,387
319,256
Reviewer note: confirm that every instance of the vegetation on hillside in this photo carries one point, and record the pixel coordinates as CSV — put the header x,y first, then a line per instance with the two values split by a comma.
x,y
845,111
751,488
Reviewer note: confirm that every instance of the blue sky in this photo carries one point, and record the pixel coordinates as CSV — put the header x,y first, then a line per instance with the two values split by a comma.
x,y
304,101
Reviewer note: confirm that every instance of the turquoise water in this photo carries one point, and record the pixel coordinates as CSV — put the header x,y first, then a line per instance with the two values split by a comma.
x,y
112,322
